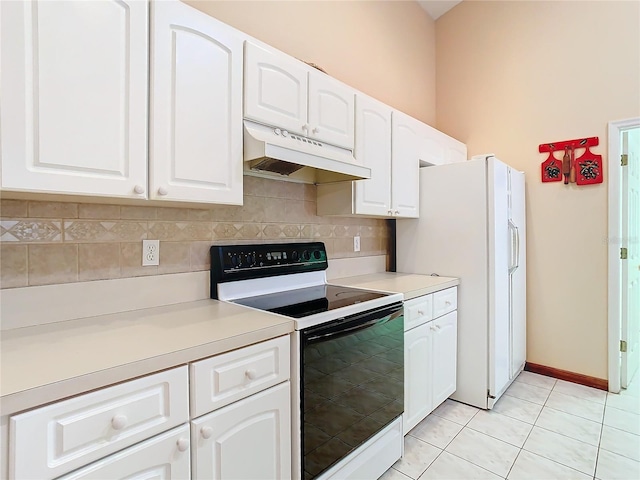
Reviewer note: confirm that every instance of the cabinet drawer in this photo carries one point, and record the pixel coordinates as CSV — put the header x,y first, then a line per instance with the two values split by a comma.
x,y
417,311
163,456
220,380
58,438
445,301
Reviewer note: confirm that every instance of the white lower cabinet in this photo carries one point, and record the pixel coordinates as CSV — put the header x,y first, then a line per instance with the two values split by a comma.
x,y
139,429
53,440
164,456
249,439
430,352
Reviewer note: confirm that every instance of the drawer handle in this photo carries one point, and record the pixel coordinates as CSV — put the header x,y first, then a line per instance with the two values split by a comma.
x,y
433,328
447,303
119,422
420,312
183,444
206,432
250,373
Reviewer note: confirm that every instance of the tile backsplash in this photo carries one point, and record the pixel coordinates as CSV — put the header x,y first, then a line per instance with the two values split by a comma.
x,y
43,243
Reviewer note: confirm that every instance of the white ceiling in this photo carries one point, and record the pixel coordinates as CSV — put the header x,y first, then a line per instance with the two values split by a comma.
x,y
437,8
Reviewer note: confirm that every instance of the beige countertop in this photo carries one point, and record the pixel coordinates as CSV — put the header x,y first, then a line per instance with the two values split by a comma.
x,y
409,284
45,363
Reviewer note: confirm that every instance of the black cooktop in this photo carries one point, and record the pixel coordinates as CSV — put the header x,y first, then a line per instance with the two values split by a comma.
x,y
303,302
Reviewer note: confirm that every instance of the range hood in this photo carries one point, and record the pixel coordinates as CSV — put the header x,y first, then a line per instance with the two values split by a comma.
x,y
269,151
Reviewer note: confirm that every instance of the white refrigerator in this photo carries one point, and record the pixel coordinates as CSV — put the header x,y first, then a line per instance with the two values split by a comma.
x,y
472,226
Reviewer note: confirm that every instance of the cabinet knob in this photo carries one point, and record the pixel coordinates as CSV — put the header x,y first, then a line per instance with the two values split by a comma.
x,y
139,189
434,328
250,373
183,444
447,303
316,130
420,312
119,422
305,127
162,191
389,212
206,432
396,212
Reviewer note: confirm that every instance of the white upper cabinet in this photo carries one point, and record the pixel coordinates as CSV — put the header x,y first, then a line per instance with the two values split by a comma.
x,y
373,150
405,164
437,148
196,97
275,89
387,141
331,110
283,92
74,110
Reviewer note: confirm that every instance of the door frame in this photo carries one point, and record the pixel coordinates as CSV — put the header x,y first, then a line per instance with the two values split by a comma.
x,y
613,253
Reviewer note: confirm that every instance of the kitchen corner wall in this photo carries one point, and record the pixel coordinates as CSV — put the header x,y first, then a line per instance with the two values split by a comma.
x,y
512,75
43,243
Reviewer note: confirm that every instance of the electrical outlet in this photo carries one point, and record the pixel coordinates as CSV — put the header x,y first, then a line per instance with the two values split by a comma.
x,y
150,252
356,243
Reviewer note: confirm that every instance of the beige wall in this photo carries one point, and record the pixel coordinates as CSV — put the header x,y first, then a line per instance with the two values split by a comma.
x,y
385,49
512,75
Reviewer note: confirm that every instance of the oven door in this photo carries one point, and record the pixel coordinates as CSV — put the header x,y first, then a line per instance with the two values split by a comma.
x,y
352,384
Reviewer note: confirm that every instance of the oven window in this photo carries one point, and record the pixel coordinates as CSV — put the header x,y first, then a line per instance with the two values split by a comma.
x,y
352,385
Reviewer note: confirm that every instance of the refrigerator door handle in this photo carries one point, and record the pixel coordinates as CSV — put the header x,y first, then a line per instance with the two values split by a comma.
x,y
515,247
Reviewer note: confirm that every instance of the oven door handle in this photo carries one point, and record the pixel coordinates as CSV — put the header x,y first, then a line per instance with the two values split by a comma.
x,y
362,326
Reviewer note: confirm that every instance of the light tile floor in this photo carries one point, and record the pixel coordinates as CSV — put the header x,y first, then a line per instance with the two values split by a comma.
x,y
541,428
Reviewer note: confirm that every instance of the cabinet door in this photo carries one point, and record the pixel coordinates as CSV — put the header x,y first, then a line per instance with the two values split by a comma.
x,y
456,151
445,339
196,121
250,438
417,375
433,150
331,110
373,150
405,166
275,89
164,456
75,120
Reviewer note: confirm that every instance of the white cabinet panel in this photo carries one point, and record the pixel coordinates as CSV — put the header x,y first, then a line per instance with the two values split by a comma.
x,y
331,110
55,439
445,301
248,439
417,376
405,165
275,89
196,122
163,457
430,357
220,380
373,150
445,339
76,118
418,311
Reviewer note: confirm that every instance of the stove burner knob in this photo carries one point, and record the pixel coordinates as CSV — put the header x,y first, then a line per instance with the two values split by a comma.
x,y
235,261
251,259
306,255
295,256
316,254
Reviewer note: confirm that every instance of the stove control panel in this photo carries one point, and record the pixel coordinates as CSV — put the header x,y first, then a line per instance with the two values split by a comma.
x,y
241,262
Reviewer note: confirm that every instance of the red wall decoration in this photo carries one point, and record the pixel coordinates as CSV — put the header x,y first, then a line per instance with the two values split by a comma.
x,y
586,169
